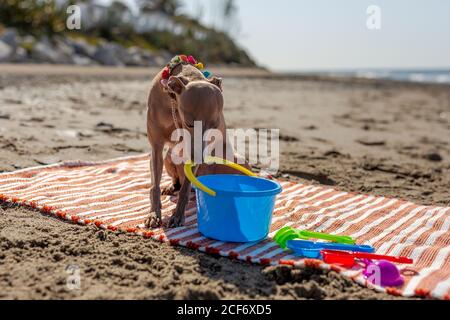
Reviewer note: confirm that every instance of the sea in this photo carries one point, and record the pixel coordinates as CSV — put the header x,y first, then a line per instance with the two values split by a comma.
x,y
411,75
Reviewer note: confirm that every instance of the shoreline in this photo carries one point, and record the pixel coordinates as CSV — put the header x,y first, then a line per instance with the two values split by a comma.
x,y
34,69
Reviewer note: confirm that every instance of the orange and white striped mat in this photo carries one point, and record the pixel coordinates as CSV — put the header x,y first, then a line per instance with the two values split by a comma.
x,y
114,195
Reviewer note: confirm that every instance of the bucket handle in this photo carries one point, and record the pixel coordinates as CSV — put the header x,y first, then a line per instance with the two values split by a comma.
x,y
209,160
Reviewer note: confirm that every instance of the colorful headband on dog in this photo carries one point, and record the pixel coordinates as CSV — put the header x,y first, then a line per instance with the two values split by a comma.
x,y
183,59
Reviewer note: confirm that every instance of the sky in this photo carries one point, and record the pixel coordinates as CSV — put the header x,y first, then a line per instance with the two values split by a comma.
x,y
302,35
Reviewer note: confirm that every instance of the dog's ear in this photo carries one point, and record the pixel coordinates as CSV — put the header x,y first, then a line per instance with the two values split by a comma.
x,y
217,82
176,85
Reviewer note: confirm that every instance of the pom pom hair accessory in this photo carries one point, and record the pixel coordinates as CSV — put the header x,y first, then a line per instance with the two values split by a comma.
x,y
183,59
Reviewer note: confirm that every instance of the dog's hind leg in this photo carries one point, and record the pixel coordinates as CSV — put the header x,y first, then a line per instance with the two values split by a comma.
x,y
177,218
172,172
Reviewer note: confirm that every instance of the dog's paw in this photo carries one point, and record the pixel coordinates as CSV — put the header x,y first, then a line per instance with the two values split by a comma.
x,y
153,220
175,221
169,190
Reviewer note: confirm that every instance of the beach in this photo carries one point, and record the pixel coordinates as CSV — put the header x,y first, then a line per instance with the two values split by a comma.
x,y
369,136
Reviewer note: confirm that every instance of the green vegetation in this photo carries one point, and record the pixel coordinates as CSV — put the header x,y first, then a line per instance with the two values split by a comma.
x,y
32,16
45,17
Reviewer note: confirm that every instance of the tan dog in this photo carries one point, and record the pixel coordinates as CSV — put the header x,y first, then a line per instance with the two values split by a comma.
x,y
193,98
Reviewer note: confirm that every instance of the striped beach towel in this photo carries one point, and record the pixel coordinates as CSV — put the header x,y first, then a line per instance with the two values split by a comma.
x,y
114,195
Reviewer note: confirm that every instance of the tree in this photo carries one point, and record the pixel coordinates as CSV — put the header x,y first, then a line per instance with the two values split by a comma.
x,y
33,16
226,16
229,15
119,13
167,6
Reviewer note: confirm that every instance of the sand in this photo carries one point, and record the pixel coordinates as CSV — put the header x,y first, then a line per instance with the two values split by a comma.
x,y
376,137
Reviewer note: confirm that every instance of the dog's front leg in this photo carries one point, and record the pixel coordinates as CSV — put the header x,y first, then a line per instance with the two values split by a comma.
x,y
177,219
156,168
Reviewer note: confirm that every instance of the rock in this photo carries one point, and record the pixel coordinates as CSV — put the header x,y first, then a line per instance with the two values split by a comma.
x,y
46,52
332,153
41,52
82,60
82,48
10,37
19,55
160,60
148,59
371,142
5,52
287,138
125,56
109,54
63,47
433,156
68,50
165,55
134,57
152,60
46,160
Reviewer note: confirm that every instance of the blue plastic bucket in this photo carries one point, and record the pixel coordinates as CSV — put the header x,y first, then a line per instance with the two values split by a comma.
x,y
241,210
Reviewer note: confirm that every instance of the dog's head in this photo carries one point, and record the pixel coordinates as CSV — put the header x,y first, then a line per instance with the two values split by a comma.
x,y
198,100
